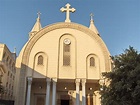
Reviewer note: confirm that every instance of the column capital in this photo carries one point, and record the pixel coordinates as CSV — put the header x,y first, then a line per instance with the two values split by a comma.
x,y
48,79
88,95
54,79
77,81
102,81
29,79
96,92
83,80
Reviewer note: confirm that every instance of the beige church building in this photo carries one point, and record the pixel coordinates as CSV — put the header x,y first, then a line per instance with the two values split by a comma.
x,y
61,64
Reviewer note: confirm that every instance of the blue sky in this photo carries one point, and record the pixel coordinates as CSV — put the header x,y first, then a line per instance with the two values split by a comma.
x,y
118,21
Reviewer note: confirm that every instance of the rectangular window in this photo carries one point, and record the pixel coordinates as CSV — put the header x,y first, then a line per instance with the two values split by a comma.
x,y
66,60
66,54
66,48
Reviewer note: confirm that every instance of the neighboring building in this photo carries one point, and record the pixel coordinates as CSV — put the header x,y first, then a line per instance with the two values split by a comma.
x,y
61,64
7,73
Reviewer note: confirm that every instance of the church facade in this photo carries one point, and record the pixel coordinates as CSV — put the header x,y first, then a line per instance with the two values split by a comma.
x,y
61,64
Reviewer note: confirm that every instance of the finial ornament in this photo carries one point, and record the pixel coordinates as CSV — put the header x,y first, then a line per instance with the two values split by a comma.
x,y
91,16
92,26
67,10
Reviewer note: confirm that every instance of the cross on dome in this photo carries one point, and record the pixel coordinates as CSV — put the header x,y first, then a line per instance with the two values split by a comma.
x,y
91,16
39,13
67,10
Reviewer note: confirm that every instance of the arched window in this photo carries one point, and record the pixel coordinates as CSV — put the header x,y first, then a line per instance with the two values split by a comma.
x,y
4,55
10,62
66,52
92,62
13,66
7,59
40,60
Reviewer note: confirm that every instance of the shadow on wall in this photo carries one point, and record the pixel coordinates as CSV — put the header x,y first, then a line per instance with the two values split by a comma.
x,y
65,89
6,102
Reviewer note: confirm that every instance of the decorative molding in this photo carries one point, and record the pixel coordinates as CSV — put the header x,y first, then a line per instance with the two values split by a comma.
x,y
71,25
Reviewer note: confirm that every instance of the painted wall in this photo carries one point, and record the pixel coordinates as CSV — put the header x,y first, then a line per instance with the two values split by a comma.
x,y
51,47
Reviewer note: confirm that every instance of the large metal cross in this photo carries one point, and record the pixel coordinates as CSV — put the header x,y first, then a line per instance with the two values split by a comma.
x,y
67,10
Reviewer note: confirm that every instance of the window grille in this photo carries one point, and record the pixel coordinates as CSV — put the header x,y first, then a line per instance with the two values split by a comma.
x,y
40,60
92,62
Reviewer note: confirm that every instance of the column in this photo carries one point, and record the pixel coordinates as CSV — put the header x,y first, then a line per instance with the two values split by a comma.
x,y
77,92
48,80
29,80
54,91
83,92
94,99
88,99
